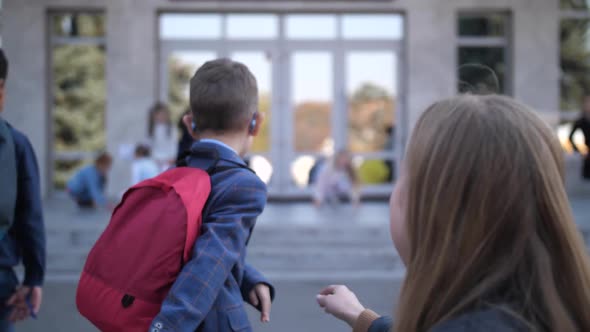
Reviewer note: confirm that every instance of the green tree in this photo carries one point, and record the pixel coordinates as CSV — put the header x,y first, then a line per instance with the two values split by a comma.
x,y
78,104
371,112
79,92
179,75
79,98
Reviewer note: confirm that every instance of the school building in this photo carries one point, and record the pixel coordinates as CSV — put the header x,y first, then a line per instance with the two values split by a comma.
x,y
332,74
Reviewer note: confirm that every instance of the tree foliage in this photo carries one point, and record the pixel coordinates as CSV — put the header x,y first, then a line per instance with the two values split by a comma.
x,y
78,92
79,98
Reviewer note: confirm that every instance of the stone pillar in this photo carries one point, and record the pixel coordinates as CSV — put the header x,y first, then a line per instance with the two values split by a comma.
x,y
431,56
27,108
536,56
131,79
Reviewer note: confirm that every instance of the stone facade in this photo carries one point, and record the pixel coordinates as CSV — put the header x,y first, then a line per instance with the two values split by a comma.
x,y
429,66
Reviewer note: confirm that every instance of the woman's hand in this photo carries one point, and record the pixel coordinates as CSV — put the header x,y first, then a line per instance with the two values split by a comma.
x,y
340,302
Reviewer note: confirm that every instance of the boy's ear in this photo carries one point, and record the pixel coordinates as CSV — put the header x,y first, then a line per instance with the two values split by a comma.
x,y
188,123
259,120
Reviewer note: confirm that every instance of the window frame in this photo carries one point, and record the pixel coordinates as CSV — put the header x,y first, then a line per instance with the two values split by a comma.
x,y
282,48
54,40
505,42
565,15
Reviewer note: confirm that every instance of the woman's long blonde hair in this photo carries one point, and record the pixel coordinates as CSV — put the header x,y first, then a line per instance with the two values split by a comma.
x,y
489,221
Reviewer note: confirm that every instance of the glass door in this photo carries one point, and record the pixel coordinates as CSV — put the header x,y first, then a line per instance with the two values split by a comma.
x,y
311,113
327,82
372,115
261,158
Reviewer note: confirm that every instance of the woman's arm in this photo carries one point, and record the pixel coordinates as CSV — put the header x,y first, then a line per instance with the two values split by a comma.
x,y
343,304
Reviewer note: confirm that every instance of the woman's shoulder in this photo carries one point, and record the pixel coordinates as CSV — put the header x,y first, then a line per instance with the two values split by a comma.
x,y
484,320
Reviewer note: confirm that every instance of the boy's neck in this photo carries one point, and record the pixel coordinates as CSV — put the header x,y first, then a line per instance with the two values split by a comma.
x,y
236,142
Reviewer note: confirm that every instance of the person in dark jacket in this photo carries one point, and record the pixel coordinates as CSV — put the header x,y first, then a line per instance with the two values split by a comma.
x,y
483,225
186,140
583,124
25,239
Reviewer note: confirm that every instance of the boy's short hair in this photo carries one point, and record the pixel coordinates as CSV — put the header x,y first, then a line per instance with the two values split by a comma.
x,y
223,96
3,65
103,158
142,150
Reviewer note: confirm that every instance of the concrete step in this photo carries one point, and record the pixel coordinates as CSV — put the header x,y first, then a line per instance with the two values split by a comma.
x,y
273,248
84,236
274,260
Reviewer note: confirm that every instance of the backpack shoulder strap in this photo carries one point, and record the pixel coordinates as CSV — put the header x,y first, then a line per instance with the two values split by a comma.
x,y
8,178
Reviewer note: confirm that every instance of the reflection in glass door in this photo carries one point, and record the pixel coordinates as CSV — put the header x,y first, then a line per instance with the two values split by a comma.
x,y
181,66
372,97
260,64
326,82
311,103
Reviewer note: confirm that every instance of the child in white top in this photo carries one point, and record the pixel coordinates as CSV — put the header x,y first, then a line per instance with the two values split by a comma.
x,y
336,179
143,167
163,136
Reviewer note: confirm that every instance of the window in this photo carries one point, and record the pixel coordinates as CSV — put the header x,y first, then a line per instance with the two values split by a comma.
x,y
312,100
182,65
483,53
372,26
575,4
77,55
252,26
371,91
575,67
574,62
187,26
311,26
326,81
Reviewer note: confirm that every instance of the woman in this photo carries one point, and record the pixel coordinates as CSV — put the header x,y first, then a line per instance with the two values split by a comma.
x,y
162,136
480,218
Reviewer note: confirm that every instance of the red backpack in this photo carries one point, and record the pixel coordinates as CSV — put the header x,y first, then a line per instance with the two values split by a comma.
x,y
134,263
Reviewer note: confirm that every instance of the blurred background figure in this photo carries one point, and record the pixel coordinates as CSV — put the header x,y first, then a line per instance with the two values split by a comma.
x,y
143,166
315,170
583,123
162,136
186,140
390,146
87,186
337,179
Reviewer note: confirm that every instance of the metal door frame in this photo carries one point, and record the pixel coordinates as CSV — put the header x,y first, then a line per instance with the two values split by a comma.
x,y
282,151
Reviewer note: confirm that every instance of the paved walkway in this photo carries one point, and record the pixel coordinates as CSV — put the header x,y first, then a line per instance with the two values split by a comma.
x,y
299,247
294,309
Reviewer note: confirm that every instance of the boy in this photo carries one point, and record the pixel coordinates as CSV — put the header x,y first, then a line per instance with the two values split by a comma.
x,y
209,293
583,123
143,167
20,202
87,186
